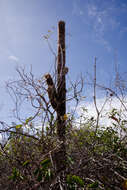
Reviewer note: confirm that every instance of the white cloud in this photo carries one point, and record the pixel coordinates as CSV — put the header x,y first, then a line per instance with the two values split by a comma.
x,y
104,116
13,58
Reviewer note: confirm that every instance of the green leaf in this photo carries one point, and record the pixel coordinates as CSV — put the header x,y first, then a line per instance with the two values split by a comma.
x,y
45,163
18,126
52,117
93,185
70,160
78,180
26,163
36,171
48,174
71,179
27,120
39,178
15,175
47,128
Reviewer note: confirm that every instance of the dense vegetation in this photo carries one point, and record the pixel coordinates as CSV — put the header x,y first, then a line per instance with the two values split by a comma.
x,y
95,160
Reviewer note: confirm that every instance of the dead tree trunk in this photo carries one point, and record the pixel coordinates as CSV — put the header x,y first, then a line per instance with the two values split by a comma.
x,y
61,83
61,99
57,97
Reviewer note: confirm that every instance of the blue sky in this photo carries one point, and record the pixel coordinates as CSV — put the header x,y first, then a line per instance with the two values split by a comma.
x,y
93,28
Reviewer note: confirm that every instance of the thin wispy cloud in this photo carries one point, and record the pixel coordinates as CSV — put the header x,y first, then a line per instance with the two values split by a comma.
x,y
103,20
123,30
76,10
101,17
13,58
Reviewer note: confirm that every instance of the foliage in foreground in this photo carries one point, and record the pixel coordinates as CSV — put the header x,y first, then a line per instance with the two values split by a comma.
x,y
95,160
